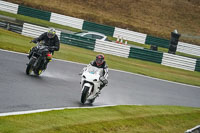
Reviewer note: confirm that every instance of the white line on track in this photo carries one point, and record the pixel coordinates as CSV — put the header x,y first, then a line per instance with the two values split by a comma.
x,y
52,109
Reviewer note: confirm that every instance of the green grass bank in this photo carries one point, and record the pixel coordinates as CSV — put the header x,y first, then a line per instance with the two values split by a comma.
x,y
117,119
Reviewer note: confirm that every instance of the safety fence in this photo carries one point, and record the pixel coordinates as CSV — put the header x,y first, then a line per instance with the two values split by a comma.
x,y
78,41
157,41
31,12
66,20
147,55
90,26
11,26
8,7
179,62
130,35
188,48
35,30
112,48
116,49
197,67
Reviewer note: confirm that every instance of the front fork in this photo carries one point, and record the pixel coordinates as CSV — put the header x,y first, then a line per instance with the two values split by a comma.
x,y
88,85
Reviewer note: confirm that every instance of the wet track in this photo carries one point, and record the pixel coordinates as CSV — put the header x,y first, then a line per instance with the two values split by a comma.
x,y
59,86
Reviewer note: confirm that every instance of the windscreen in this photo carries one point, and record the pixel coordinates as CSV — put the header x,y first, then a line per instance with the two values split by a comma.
x,y
95,70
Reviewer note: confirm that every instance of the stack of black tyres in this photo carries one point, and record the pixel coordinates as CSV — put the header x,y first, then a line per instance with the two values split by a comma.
x,y
173,42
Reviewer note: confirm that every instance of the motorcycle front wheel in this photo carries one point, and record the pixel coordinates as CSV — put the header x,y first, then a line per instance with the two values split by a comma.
x,y
38,72
29,67
84,94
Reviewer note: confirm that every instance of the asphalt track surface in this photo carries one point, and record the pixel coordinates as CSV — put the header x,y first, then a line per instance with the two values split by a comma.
x,y
59,87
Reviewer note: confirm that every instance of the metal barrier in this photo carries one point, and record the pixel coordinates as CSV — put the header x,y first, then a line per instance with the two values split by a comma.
x,y
112,48
66,20
11,27
179,61
188,48
35,30
130,35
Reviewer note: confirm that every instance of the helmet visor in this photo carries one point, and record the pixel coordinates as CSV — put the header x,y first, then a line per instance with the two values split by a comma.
x,y
99,61
50,35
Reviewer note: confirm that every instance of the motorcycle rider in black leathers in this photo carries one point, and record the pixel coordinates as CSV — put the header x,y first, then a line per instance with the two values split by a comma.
x,y
101,63
50,39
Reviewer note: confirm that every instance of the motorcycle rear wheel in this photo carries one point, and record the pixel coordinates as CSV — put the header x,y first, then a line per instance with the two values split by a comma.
x,y
84,94
29,67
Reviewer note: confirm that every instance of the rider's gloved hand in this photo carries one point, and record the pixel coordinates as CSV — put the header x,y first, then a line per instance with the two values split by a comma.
x,y
34,41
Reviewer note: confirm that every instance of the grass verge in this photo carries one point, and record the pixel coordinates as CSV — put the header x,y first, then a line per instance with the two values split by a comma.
x,y
117,119
16,42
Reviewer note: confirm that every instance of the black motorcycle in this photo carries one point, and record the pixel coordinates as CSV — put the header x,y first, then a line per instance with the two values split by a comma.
x,y
39,59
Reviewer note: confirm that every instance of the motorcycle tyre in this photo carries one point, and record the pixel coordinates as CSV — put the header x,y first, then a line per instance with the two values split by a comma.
x,y
29,67
84,94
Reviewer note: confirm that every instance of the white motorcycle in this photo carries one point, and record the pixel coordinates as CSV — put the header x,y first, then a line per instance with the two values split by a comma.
x,y
90,83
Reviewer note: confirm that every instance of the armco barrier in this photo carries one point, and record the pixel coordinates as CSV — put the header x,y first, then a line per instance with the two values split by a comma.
x,y
78,41
11,26
90,26
112,48
188,48
145,54
66,20
35,31
8,7
178,62
197,67
130,35
157,41
15,28
31,12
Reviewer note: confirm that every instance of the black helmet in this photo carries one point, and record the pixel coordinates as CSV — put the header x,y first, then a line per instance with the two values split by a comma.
x,y
99,59
51,33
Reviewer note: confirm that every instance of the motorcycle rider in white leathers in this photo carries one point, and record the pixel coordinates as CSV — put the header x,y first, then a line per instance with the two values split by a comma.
x,y
99,62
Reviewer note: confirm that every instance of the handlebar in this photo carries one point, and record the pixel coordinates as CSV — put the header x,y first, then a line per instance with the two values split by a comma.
x,y
51,48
